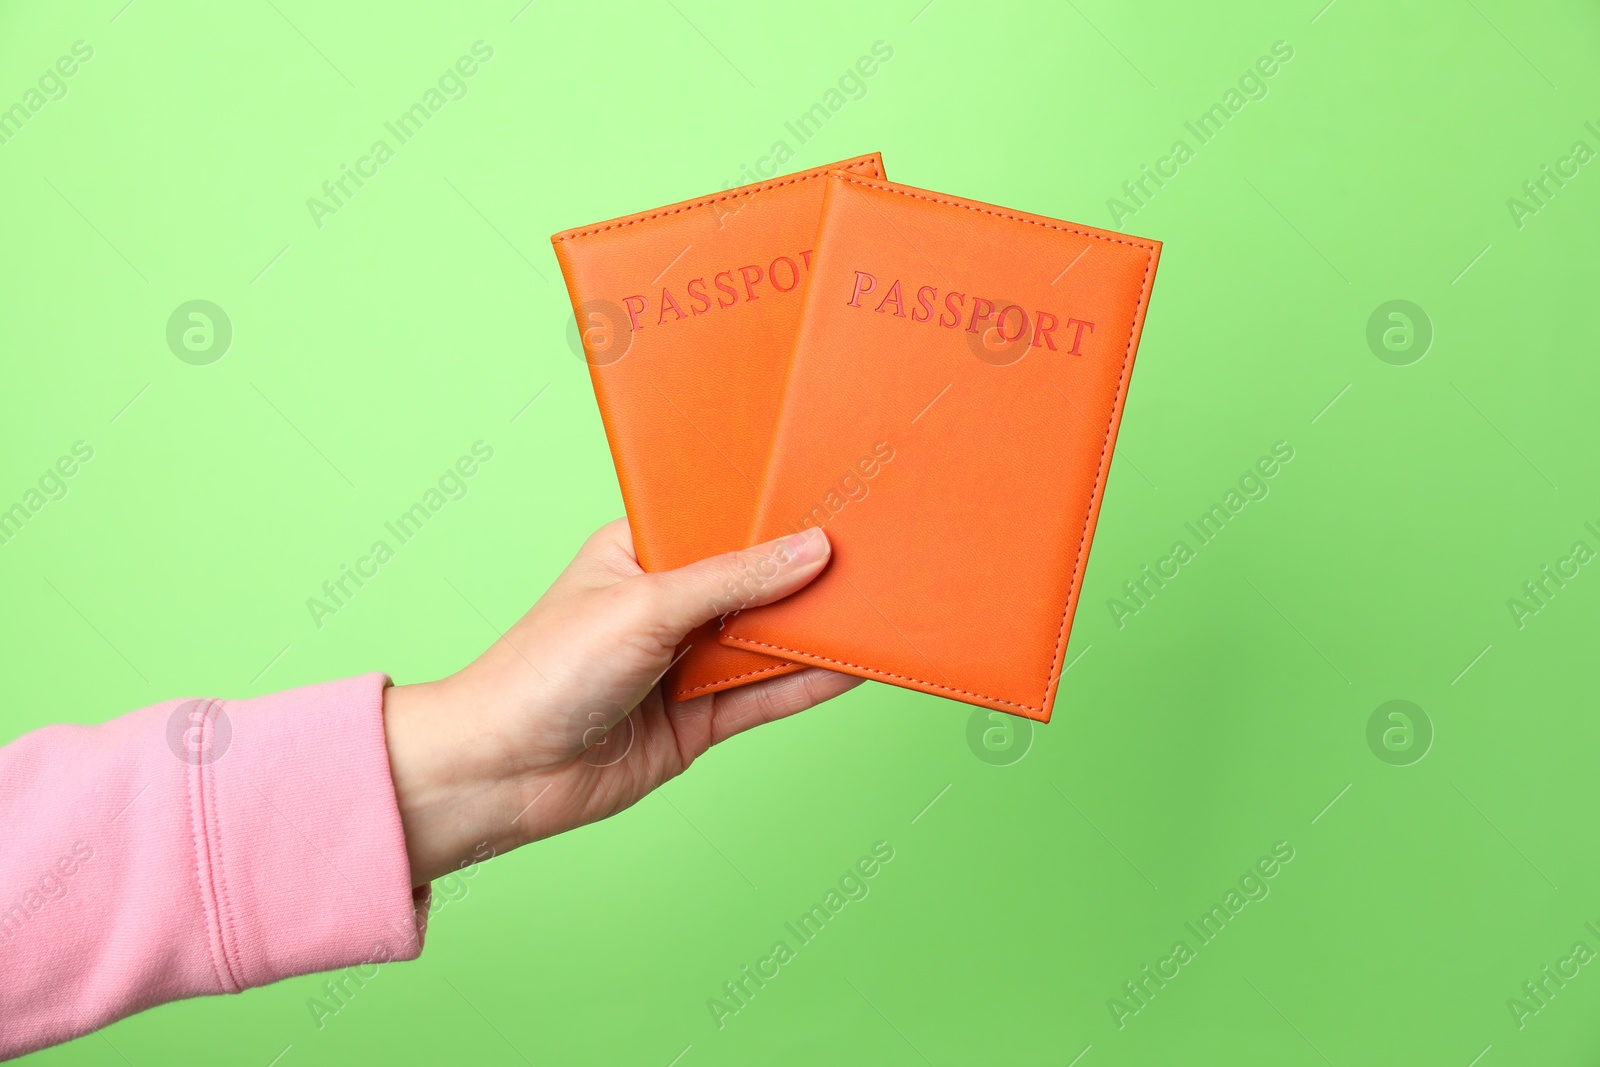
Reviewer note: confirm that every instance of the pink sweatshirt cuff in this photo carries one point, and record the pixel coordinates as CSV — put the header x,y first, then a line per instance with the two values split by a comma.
x,y
302,860
197,847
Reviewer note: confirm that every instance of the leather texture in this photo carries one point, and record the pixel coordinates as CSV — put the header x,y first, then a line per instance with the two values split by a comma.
x,y
687,315
955,448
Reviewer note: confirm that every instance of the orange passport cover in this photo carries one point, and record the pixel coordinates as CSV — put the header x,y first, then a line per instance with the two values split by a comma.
x,y
952,403
687,315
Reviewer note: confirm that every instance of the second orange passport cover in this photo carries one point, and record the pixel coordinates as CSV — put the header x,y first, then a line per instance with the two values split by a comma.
x,y
953,400
687,315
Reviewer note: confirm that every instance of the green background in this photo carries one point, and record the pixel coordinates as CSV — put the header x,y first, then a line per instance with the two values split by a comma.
x,y
1229,714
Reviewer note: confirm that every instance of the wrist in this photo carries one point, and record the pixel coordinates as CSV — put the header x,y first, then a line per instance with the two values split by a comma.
x,y
449,782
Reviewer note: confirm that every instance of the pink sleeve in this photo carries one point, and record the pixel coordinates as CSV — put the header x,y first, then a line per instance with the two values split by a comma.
x,y
197,847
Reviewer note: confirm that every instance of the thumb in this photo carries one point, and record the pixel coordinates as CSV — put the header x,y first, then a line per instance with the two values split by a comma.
x,y
689,596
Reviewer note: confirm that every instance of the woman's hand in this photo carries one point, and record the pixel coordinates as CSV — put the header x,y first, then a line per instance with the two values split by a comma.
x,y
562,721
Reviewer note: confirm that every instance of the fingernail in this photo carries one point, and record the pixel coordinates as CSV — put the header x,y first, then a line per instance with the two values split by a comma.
x,y
805,546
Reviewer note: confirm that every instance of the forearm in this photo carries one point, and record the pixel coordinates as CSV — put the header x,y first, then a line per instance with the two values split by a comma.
x,y
187,849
